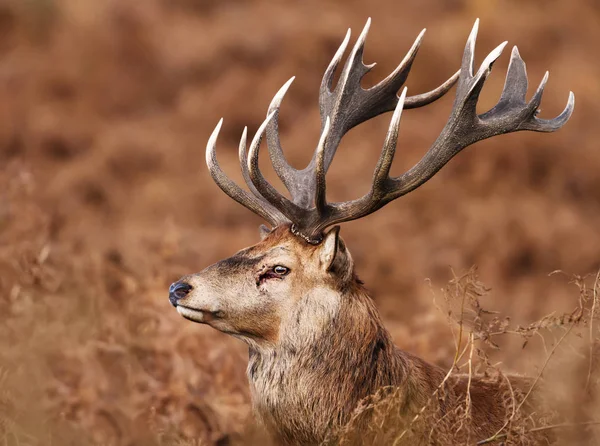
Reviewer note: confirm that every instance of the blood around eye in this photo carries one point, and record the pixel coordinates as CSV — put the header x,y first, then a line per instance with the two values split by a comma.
x,y
266,276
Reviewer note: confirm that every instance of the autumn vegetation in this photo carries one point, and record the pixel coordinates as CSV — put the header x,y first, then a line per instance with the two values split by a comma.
x,y
105,109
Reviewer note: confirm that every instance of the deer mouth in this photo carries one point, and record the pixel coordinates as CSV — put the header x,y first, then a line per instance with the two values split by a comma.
x,y
200,316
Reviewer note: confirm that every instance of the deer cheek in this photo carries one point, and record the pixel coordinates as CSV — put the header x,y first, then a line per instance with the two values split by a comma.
x,y
270,329
263,325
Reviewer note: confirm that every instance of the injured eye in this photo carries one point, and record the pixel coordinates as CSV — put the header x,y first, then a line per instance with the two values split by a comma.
x,y
277,272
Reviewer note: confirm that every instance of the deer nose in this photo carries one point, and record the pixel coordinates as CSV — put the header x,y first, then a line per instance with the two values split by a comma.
x,y
178,290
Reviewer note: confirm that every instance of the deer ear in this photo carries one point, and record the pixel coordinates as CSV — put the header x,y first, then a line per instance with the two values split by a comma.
x,y
329,247
263,231
334,255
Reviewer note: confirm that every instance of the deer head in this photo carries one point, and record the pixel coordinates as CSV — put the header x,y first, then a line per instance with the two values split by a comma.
x,y
252,294
292,283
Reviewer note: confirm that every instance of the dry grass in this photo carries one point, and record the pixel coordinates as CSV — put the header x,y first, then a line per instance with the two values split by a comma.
x,y
104,110
546,411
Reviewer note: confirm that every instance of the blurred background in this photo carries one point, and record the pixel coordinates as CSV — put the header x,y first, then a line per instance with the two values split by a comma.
x,y
105,110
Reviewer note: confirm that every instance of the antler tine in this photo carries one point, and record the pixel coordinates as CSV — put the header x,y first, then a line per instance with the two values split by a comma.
x,y
468,59
243,156
469,85
515,86
327,81
255,204
395,80
265,189
320,189
283,170
391,84
420,100
548,125
382,171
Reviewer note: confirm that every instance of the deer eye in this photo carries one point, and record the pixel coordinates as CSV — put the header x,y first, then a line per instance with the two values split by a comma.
x,y
277,272
280,270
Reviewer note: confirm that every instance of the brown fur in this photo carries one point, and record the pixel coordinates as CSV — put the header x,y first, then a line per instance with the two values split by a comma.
x,y
318,346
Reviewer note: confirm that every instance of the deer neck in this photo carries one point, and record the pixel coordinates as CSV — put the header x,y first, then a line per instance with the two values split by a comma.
x,y
314,379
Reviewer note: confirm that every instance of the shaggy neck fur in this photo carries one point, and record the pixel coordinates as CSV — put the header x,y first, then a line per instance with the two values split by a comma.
x,y
309,385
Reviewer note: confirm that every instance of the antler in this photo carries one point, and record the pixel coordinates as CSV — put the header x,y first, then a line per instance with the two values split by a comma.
x,y
348,105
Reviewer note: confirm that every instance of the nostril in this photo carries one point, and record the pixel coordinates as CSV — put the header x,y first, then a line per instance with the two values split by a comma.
x,y
178,290
182,290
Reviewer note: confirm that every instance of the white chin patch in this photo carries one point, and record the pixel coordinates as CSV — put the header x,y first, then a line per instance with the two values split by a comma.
x,y
192,315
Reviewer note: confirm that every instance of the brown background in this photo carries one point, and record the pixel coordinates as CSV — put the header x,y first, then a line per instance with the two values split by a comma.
x,y
105,109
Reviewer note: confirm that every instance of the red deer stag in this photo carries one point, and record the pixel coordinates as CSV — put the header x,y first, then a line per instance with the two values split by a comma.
x,y
317,344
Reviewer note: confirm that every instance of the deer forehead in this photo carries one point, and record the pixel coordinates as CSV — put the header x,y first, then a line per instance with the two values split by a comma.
x,y
284,245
